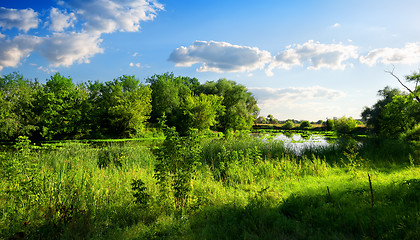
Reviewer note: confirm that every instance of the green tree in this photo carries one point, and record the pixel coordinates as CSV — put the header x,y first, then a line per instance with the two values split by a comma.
x,y
199,112
289,124
261,120
241,108
415,78
372,116
329,124
399,116
345,125
305,124
120,107
17,97
59,104
168,93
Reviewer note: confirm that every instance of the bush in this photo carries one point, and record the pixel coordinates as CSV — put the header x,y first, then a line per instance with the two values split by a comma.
x,y
289,124
305,124
413,134
345,125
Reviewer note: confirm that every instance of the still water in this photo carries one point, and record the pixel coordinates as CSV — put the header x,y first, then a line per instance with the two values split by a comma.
x,y
297,143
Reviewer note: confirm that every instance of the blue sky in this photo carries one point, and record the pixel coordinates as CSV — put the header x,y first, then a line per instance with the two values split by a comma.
x,y
306,60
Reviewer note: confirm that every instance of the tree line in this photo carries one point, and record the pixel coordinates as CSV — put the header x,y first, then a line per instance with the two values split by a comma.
x,y
124,107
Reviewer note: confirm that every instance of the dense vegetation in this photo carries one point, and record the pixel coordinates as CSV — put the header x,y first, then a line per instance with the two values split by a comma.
x,y
61,109
210,188
197,184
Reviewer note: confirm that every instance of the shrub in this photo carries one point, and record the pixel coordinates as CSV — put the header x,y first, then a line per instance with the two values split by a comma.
x,y
305,124
345,125
289,124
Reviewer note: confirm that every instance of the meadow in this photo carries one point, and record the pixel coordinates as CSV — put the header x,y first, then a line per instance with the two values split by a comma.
x,y
219,187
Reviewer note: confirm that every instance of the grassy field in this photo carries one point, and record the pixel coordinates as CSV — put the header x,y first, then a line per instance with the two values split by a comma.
x,y
238,188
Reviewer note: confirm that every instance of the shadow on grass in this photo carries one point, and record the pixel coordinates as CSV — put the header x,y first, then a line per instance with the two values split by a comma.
x,y
331,214
340,214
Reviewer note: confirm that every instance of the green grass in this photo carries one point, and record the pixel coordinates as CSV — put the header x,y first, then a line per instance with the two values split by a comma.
x,y
241,189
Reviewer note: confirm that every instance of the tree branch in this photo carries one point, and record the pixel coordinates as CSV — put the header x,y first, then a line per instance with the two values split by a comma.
x,y
392,74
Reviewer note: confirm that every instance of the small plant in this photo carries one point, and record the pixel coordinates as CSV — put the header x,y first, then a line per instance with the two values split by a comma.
x,y
352,159
23,145
175,165
140,192
108,156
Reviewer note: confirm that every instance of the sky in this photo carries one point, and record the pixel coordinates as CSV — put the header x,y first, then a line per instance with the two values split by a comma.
x,y
304,60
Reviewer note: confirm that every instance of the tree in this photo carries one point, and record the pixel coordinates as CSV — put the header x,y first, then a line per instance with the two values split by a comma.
x,y
241,106
59,104
329,124
305,124
199,112
345,125
372,116
261,120
168,92
399,116
121,107
289,124
415,77
17,97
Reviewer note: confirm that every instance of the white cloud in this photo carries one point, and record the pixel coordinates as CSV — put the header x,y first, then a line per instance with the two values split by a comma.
x,y
336,25
138,65
13,51
295,93
296,102
409,54
63,49
107,16
220,57
61,20
23,19
316,55
47,70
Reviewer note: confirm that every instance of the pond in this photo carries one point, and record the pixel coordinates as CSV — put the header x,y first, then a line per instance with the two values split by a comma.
x,y
296,143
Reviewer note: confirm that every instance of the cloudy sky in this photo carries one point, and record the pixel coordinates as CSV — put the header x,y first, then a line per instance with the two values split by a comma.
x,y
306,60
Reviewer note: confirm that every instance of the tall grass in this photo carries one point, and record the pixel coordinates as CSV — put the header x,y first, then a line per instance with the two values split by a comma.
x,y
241,189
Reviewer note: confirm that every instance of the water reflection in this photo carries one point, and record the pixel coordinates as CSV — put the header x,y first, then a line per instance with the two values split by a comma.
x,y
297,143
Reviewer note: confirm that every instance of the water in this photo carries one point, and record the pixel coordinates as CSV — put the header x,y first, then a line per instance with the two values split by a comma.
x,y
297,143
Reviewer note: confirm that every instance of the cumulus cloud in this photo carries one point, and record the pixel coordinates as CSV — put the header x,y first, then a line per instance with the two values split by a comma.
x,y
63,49
22,19
14,50
409,54
60,20
316,55
220,57
107,16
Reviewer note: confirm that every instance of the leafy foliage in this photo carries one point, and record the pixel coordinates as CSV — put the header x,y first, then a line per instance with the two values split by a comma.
x,y
240,106
393,115
344,125
17,98
305,124
175,166
288,125
59,105
122,106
